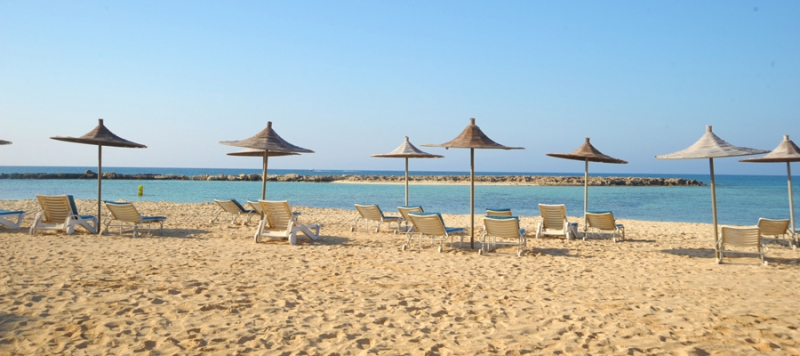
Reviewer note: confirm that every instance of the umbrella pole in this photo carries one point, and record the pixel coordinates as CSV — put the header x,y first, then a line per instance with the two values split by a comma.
x,y
714,206
264,177
99,184
791,203
472,198
585,194
406,181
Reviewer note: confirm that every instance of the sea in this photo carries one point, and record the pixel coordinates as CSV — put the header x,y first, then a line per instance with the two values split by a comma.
x,y
741,199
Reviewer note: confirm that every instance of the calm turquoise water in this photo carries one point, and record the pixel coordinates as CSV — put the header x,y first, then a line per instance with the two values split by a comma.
x,y
741,199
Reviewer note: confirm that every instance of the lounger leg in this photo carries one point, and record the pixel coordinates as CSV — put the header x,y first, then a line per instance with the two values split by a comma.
x,y
216,216
36,221
260,229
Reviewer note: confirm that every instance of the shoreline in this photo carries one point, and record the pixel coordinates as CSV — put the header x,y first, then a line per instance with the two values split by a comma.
x,y
523,180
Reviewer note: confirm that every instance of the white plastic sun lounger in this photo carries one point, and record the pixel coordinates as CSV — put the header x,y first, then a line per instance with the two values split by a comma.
x,y
373,213
281,222
776,228
554,222
404,210
740,236
126,213
233,208
432,226
502,230
598,222
60,213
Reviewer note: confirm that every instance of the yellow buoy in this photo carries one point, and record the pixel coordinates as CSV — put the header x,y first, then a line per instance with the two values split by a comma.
x,y
141,190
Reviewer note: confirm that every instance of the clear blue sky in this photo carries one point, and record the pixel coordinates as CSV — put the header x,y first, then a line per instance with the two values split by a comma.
x,y
351,78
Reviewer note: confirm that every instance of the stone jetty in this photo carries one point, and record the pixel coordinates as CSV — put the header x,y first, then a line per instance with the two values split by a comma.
x,y
389,179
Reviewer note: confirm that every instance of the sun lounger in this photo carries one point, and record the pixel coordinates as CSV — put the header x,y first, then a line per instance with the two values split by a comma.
x,y
233,208
126,213
599,221
404,210
498,212
373,213
740,236
60,213
281,222
554,222
7,217
774,228
431,225
506,228
255,206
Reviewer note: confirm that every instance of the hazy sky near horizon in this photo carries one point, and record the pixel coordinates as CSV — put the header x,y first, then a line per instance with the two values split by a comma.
x,y
351,78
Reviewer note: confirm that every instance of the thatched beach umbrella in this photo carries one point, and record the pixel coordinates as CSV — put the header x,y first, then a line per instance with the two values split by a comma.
x,y
100,136
472,137
711,146
407,150
267,141
4,142
587,153
787,152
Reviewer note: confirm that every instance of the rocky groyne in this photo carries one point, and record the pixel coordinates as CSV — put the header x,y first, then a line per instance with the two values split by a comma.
x,y
347,178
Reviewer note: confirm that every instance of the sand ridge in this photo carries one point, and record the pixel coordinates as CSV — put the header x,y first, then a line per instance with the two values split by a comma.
x,y
207,288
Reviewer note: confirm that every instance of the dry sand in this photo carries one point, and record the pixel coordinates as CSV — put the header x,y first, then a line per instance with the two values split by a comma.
x,y
205,288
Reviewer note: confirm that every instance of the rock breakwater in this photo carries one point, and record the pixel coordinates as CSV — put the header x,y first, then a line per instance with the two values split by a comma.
x,y
388,179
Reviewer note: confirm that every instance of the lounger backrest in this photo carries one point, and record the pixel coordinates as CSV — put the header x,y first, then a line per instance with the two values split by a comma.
x,y
404,210
124,212
56,208
239,206
256,206
428,223
740,236
498,212
370,212
553,216
279,214
506,226
771,227
602,221
228,206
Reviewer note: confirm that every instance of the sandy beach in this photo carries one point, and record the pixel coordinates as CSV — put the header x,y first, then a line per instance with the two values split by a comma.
x,y
207,288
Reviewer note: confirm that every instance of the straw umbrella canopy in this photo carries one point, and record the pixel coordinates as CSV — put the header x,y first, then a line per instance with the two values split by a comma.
x,y
587,153
711,146
100,137
787,152
269,142
2,142
407,150
472,137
